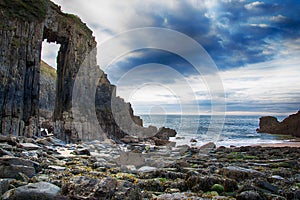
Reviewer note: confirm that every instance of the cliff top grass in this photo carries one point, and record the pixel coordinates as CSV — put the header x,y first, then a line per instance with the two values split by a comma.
x,y
47,70
74,19
25,9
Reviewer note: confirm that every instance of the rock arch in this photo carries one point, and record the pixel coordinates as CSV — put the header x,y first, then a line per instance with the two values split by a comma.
x,y
24,25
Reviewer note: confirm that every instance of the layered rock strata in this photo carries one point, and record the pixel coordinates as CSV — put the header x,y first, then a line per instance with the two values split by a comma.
x,y
24,26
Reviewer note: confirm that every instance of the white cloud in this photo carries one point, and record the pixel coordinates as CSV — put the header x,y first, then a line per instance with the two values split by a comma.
x,y
49,53
275,81
279,18
254,5
260,25
257,85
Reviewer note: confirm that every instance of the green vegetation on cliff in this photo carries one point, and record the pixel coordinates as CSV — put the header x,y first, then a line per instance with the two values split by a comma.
x,y
47,70
25,9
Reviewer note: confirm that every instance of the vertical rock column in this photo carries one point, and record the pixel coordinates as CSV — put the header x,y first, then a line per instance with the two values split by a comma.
x,y
77,49
20,44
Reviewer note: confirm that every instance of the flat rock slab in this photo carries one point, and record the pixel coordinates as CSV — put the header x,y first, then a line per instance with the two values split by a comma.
x,y
29,146
55,167
240,173
10,160
12,171
6,146
147,169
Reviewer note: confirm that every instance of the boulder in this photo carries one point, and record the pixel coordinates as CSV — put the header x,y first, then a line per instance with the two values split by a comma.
x,y
129,139
127,191
10,167
159,142
82,151
147,169
29,146
165,133
240,173
106,188
249,195
12,171
4,185
33,191
129,158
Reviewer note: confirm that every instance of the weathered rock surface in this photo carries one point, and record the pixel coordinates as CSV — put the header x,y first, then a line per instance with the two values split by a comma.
x,y
289,126
117,171
24,25
27,86
33,191
47,91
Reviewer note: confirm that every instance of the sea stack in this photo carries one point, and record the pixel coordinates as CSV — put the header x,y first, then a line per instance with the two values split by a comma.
x,y
289,126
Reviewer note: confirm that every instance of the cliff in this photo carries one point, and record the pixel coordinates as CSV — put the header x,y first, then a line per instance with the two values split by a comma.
x,y
24,26
289,126
47,91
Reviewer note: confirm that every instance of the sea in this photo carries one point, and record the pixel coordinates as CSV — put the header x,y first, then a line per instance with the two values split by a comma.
x,y
231,130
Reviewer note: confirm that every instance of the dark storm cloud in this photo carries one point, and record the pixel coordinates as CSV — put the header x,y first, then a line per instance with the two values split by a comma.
x,y
234,33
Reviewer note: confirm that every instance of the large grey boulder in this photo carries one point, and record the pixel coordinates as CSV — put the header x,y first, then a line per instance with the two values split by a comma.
x,y
33,191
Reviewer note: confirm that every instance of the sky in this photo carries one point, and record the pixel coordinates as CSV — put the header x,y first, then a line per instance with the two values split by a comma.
x,y
254,46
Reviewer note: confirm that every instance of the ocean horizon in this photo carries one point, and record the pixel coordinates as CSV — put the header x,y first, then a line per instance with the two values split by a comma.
x,y
237,130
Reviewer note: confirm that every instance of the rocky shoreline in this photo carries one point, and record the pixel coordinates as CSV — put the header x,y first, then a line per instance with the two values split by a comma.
x,y
46,168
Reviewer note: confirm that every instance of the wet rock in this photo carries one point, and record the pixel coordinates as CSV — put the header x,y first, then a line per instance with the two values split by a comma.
x,y
240,173
151,185
82,151
129,139
4,152
79,186
106,188
206,183
170,174
129,158
33,191
230,185
249,195
43,141
218,188
193,140
12,171
127,190
57,168
147,169
197,183
208,146
176,196
159,142
165,133
16,161
6,146
4,185
29,146
297,177
128,168
266,185
275,178
8,140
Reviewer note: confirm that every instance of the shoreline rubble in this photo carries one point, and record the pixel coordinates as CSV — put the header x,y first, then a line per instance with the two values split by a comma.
x,y
105,170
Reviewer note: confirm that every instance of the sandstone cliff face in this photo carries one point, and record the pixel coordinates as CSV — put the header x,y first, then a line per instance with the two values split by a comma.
x,y
289,126
24,26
